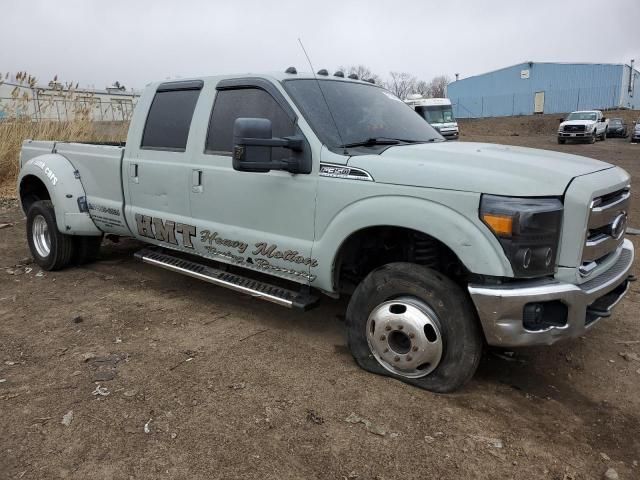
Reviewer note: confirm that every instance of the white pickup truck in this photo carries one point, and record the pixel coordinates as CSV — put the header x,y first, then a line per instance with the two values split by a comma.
x,y
286,186
589,125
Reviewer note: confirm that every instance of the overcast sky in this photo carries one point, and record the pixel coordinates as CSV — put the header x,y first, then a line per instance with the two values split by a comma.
x,y
138,41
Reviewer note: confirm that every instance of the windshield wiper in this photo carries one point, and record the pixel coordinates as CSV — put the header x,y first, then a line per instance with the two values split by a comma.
x,y
375,141
372,142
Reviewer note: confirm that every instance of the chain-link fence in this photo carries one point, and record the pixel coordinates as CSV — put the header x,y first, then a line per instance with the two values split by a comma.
x,y
17,101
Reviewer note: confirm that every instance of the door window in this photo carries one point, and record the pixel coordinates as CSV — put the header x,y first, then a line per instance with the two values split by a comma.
x,y
169,120
245,103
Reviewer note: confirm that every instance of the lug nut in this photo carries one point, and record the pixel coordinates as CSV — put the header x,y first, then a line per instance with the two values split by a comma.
x,y
412,335
383,337
400,327
409,358
387,328
397,359
386,350
415,349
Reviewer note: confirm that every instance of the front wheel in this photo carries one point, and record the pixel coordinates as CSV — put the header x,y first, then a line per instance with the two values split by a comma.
x,y
562,141
594,137
412,323
51,249
603,137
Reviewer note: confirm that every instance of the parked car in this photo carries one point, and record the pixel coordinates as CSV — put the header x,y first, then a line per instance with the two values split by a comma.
x,y
617,128
589,125
287,187
635,133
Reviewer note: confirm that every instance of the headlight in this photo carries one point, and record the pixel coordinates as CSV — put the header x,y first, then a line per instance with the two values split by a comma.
x,y
528,230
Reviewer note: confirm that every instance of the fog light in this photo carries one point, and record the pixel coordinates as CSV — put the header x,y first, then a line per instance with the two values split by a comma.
x,y
543,315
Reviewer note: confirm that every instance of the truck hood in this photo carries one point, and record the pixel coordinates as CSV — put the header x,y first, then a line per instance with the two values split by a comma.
x,y
586,123
478,167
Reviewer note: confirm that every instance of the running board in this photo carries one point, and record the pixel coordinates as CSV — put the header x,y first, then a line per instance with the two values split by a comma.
x,y
255,288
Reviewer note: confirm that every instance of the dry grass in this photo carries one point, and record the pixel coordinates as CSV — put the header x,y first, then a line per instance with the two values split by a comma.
x,y
21,124
14,132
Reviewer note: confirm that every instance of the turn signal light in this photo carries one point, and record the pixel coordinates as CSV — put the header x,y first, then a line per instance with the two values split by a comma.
x,y
501,225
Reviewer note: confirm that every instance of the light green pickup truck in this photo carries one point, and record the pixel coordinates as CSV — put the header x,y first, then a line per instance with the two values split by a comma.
x,y
289,186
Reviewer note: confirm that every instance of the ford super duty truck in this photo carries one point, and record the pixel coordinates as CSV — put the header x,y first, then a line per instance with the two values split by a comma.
x,y
589,125
286,187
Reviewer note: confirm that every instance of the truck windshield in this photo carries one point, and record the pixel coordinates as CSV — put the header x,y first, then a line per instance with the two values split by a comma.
x,y
361,113
582,116
436,113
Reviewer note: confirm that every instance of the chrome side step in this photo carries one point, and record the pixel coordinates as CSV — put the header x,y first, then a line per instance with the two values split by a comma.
x,y
255,288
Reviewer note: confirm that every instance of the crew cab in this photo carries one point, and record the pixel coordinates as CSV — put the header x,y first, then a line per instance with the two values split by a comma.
x,y
289,187
589,125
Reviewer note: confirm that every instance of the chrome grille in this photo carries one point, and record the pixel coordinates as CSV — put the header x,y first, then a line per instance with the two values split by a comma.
x,y
606,226
574,128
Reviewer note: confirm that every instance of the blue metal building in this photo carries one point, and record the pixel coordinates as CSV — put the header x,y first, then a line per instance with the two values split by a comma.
x,y
532,87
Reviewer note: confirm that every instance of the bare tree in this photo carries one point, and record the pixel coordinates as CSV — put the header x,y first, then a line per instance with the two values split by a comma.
x,y
422,88
362,71
438,86
401,84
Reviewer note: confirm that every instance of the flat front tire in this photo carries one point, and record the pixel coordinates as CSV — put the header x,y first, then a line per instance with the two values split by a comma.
x,y
50,249
414,324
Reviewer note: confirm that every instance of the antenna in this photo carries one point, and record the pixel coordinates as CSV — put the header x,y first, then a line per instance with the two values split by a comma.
x,y
335,124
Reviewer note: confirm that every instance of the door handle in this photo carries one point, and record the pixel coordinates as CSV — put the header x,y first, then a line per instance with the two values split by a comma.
x,y
196,181
133,172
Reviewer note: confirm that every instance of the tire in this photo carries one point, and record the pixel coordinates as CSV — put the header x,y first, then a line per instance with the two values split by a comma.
x,y
603,137
50,249
450,334
594,137
86,249
562,141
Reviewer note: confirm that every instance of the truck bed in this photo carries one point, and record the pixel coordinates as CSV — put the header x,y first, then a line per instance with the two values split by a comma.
x,y
99,166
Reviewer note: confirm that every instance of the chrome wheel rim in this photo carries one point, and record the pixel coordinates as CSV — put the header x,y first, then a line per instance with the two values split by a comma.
x,y
41,238
404,335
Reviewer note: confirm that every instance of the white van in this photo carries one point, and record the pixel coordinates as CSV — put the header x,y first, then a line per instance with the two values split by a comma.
x,y
438,112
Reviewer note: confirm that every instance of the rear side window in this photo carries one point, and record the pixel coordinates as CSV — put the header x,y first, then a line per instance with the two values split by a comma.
x,y
169,120
245,103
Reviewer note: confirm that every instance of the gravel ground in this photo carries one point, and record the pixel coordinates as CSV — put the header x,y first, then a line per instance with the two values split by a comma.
x,y
120,370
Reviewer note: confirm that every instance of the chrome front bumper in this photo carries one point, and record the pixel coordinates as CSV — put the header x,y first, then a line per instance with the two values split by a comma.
x,y
500,307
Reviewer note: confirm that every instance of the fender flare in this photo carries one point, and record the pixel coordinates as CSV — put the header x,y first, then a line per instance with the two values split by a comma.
x,y
65,190
472,242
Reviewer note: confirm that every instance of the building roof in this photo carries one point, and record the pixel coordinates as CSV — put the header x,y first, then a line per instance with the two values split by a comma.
x,y
544,63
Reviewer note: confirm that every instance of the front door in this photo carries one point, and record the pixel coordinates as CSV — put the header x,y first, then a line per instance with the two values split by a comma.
x,y
156,173
261,221
538,103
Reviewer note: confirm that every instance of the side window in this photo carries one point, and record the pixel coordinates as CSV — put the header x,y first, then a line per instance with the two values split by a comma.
x,y
245,103
169,120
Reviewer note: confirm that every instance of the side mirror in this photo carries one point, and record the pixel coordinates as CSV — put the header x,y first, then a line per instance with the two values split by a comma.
x,y
253,144
604,119
560,120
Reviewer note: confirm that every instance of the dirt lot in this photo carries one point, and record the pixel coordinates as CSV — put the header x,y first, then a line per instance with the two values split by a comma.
x,y
207,383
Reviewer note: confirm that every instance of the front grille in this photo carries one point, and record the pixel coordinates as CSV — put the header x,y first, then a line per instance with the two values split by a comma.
x,y
574,128
602,237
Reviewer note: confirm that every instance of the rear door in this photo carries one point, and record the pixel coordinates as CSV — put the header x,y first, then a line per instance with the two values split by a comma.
x,y
261,221
156,172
